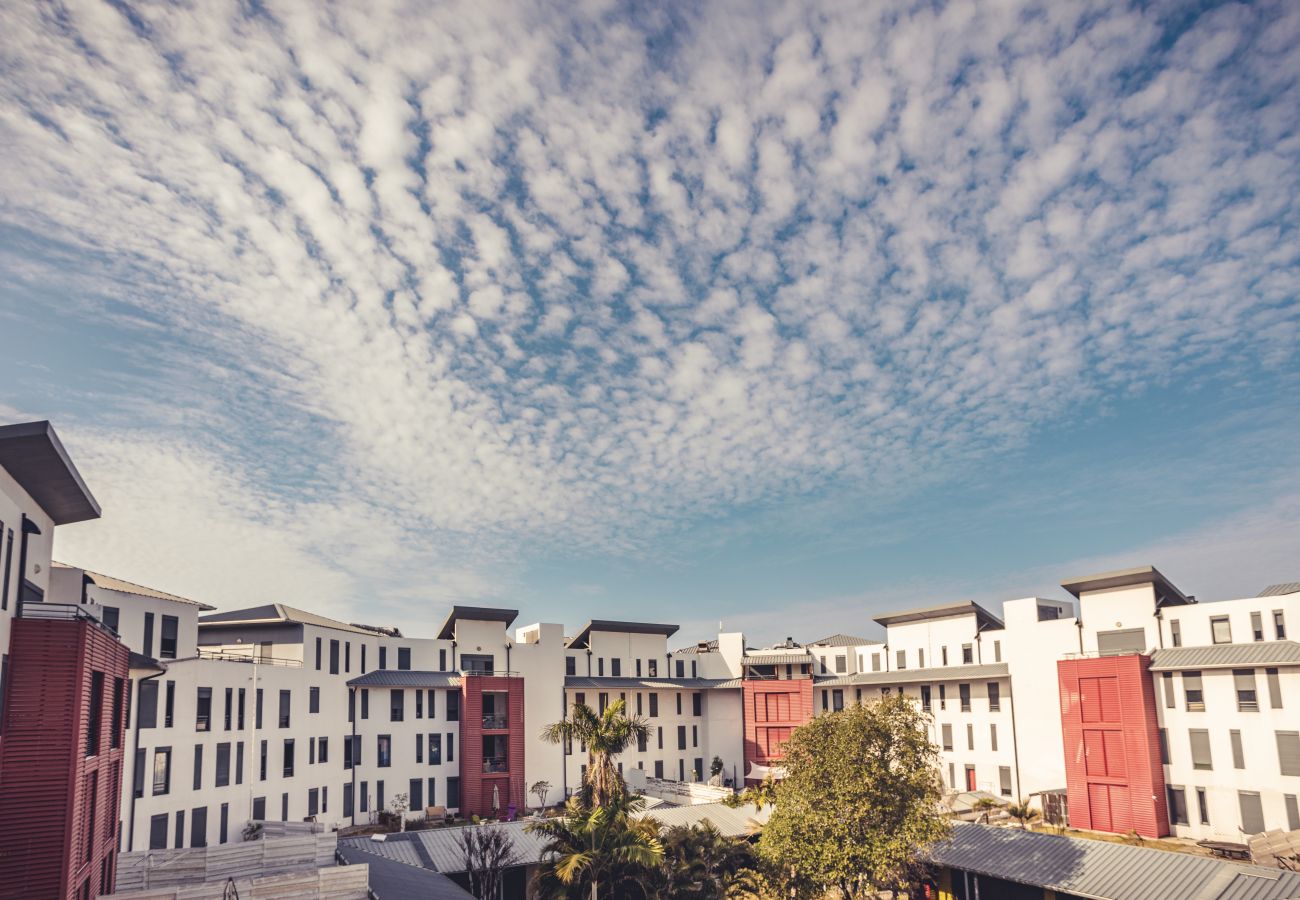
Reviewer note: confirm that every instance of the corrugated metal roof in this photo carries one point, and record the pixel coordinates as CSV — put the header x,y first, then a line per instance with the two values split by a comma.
x,y
735,822
701,647
444,849
108,582
392,879
592,683
843,640
1256,653
942,611
278,613
918,676
1278,590
777,659
406,678
1104,870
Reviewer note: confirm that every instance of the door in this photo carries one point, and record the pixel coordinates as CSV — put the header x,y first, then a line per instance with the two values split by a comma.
x,y
970,778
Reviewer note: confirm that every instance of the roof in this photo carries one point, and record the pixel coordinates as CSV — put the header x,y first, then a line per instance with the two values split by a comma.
x,y
406,678
915,676
140,661
701,647
733,822
34,457
1277,590
277,614
108,582
1256,653
1166,593
583,637
442,849
1111,871
984,618
475,614
776,659
583,682
843,640
394,879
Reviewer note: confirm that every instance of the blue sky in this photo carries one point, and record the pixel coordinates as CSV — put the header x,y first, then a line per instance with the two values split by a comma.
x,y
775,314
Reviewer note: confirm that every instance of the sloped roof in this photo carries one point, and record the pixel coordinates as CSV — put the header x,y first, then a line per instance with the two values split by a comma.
x,y
406,678
1279,590
733,822
34,457
108,582
918,676
279,614
1166,593
1106,870
398,879
443,848
592,683
843,640
700,647
583,637
1256,653
475,614
777,659
983,617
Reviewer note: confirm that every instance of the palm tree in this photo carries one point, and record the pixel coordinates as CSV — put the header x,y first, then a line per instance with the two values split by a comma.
x,y
701,863
605,736
1023,813
593,848
984,806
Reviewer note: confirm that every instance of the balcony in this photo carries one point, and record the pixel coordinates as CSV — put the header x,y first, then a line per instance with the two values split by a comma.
x,y
498,722
495,765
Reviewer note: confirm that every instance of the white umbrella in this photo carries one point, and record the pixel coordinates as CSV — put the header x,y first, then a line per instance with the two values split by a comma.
x,y
496,798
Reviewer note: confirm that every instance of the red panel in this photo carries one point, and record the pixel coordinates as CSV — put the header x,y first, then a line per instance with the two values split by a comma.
x,y
773,708
477,786
55,834
1113,771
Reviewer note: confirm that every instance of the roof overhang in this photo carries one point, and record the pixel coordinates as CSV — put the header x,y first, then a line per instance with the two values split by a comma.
x,y
983,618
475,614
583,638
34,456
1166,593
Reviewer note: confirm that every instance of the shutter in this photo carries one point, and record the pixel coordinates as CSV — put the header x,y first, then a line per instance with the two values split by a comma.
x,y
947,737
1288,752
1252,812
1200,739
1238,756
1118,643
1292,812
1004,779
1274,688
1168,679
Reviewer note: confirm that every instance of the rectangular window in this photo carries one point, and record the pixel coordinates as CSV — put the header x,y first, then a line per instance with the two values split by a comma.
x,y
570,666
257,709
311,751
365,703
313,700
1279,625
94,718
228,711
262,762
451,747
875,662
1292,812
384,751
403,657
259,809
997,651
943,652
284,709
1175,633
119,710
419,704
1202,806
943,702
1238,752
334,656
1220,631
1004,780
837,700
925,698
453,792
993,738
313,802
239,762
383,657
970,737
199,827
110,617
841,664
652,666
901,659
453,706
1288,752
162,770
616,667
681,737
318,654
1163,735
435,749
203,710
697,704
947,737
1200,743
1257,626
654,704
1252,812
995,696
1274,688
284,806
1167,679
1193,692
967,654
347,657
963,690
148,634
1244,681
416,794
158,832
1177,806
288,757
198,767
239,713
225,822
396,705
348,796
167,643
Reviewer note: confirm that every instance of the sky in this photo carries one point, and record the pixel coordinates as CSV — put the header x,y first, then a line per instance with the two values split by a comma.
x,y
773,316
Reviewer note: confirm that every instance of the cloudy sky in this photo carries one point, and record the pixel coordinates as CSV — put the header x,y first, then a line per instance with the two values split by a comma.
x,y
774,314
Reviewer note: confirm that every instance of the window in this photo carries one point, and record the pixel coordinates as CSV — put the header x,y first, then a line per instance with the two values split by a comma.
x,y
1220,632
970,737
1200,742
451,747
385,751
403,657
697,704
654,704
1175,633
147,715
1274,688
396,705
616,667
841,664
203,714
681,737
1004,780
94,718
1244,680
311,751
925,698
383,657
318,654
993,738
902,659
419,704
947,737
1238,752
198,767
453,792
997,651
313,802
435,749
119,704
963,690
257,709
169,705
1257,626
1252,812
162,770
239,762
1167,679
875,662
679,703
995,697
570,666
167,643
158,832
453,706
284,709
240,712
262,762
259,809
228,710
347,657
943,702
1202,806
148,639
416,794
1177,806
1163,735
1279,625
288,757
313,700
943,652
967,654
1292,812
837,700
334,656
1288,752
365,703
348,796
1193,692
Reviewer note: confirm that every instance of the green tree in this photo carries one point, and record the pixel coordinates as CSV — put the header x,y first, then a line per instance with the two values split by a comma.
x,y
761,794
860,802
701,863
985,806
605,736
598,851
1022,812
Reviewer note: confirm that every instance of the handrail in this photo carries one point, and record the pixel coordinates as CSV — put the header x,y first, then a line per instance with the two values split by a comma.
x,y
227,656
68,612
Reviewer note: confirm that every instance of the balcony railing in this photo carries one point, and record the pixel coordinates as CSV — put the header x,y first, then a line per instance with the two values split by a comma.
x,y
69,612
495,722
494,674
250,657
495,764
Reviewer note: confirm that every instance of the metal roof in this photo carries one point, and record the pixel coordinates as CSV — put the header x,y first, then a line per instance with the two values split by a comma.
x,y
475,614
394,879
843,640
582,682
34,457
406,678
108,582
983,617
1104,870
1166,593
733,822
777,659
701,647
278,614
1278,590
1256,653
918,676
583,637
443,846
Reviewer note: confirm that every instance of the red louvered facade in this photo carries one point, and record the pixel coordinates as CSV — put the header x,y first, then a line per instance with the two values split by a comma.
x,y
491,744
774,708
1113,770
61,759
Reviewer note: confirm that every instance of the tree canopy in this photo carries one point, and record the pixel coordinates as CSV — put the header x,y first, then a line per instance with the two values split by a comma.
x,y
859,803
606,736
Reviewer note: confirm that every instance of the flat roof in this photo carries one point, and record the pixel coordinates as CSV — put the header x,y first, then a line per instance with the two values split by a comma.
x,y
983,617
583,637
475,614
35,458
1166,593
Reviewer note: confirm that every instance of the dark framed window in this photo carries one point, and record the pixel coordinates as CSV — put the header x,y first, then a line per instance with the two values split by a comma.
x,y
288,757
995,696
203,710
162,770
403,657
384,751
396,705
284,708
313,700
167,643
1220,630
334,657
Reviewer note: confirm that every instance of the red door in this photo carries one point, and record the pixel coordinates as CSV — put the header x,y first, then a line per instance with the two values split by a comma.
x,y
970,778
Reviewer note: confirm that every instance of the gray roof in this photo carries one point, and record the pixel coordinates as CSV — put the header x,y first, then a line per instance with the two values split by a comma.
x,y
1256,653
443,849
700,647
34,457
777,659
278,614
983,617
1278,590
406,678
843,640
1166,593
583,637
918,676
582,682
1104,870
475,614
108,582
735,822
392,878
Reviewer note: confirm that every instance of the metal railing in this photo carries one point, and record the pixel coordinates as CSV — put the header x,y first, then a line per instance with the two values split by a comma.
x,y
495,764
494,674
68,612
495,722
250,657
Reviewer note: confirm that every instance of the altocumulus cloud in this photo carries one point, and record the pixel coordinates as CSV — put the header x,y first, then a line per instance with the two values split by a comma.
x,y
570,272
